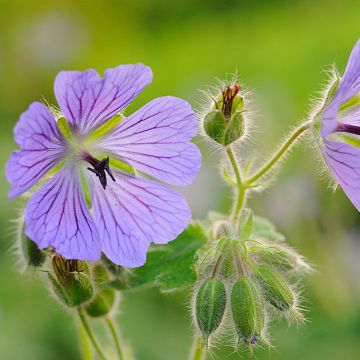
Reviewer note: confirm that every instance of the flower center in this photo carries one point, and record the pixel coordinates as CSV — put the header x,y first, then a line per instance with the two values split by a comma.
x,y
99,167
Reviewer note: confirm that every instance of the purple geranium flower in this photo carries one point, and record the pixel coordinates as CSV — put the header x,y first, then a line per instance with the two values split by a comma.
x,y
340,129
95,202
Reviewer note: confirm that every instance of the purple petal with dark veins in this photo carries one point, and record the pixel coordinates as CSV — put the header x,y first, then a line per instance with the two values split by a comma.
x,y
87,100
57,215
156,140
348,87
134,212
42,147
344,162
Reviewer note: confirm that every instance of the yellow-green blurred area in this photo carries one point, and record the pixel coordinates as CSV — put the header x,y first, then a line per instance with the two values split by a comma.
x,y
279,49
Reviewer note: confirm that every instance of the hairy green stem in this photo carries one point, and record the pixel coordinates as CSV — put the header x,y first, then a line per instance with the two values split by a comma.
x,y
198,351
278,154
90,334
116,337
240,199
85,344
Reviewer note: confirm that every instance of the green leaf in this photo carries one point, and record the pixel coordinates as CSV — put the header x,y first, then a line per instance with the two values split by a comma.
x,y
264,229
170,267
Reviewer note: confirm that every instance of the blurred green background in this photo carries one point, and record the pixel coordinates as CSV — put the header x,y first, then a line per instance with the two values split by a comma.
x,y
279,49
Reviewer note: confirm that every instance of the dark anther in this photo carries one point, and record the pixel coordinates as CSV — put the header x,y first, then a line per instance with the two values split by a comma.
x,y
100,169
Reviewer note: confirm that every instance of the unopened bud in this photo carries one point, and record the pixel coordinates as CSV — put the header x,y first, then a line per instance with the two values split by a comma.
x,y
276,290
71,282
210,306
281,257
102,303
247,311
104,299
225,124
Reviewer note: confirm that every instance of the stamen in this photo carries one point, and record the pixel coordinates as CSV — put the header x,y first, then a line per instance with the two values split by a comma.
x,y
100,168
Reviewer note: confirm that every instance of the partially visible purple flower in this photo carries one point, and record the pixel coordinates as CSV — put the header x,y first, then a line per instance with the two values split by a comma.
x,y
340,129
128,212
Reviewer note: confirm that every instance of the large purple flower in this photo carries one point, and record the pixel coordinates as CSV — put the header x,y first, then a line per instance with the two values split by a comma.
x,y
93,200
340,129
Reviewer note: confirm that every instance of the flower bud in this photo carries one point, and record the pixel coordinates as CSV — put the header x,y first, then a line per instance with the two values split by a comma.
x,y
103,301
248,310
210,306
282,257
225,124
276,290
71,282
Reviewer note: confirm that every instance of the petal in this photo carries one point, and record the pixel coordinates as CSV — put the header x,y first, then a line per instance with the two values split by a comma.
x,y
42,147
57,215
348,87
156,140
344,162
87,100
132,213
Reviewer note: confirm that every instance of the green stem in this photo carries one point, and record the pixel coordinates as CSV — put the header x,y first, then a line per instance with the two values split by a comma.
x,y
90,334
276,157
198,351
85,344
240,185
116,337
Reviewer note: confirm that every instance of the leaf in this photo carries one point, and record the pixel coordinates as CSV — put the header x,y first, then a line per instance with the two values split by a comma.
x,y
264,229
170,267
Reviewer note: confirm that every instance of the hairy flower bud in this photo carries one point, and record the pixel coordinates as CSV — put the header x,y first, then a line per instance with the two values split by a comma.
x,y
104,299
210,305
276,290
102,303
71,283
281,257
225,124
247,310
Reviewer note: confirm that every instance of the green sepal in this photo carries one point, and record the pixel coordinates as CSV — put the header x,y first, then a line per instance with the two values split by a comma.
x,y
215,125
235,128
58,290
238,104
78,288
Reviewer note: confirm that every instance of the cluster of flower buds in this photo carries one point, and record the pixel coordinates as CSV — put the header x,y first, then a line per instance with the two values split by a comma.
x,y
243,276
225,122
